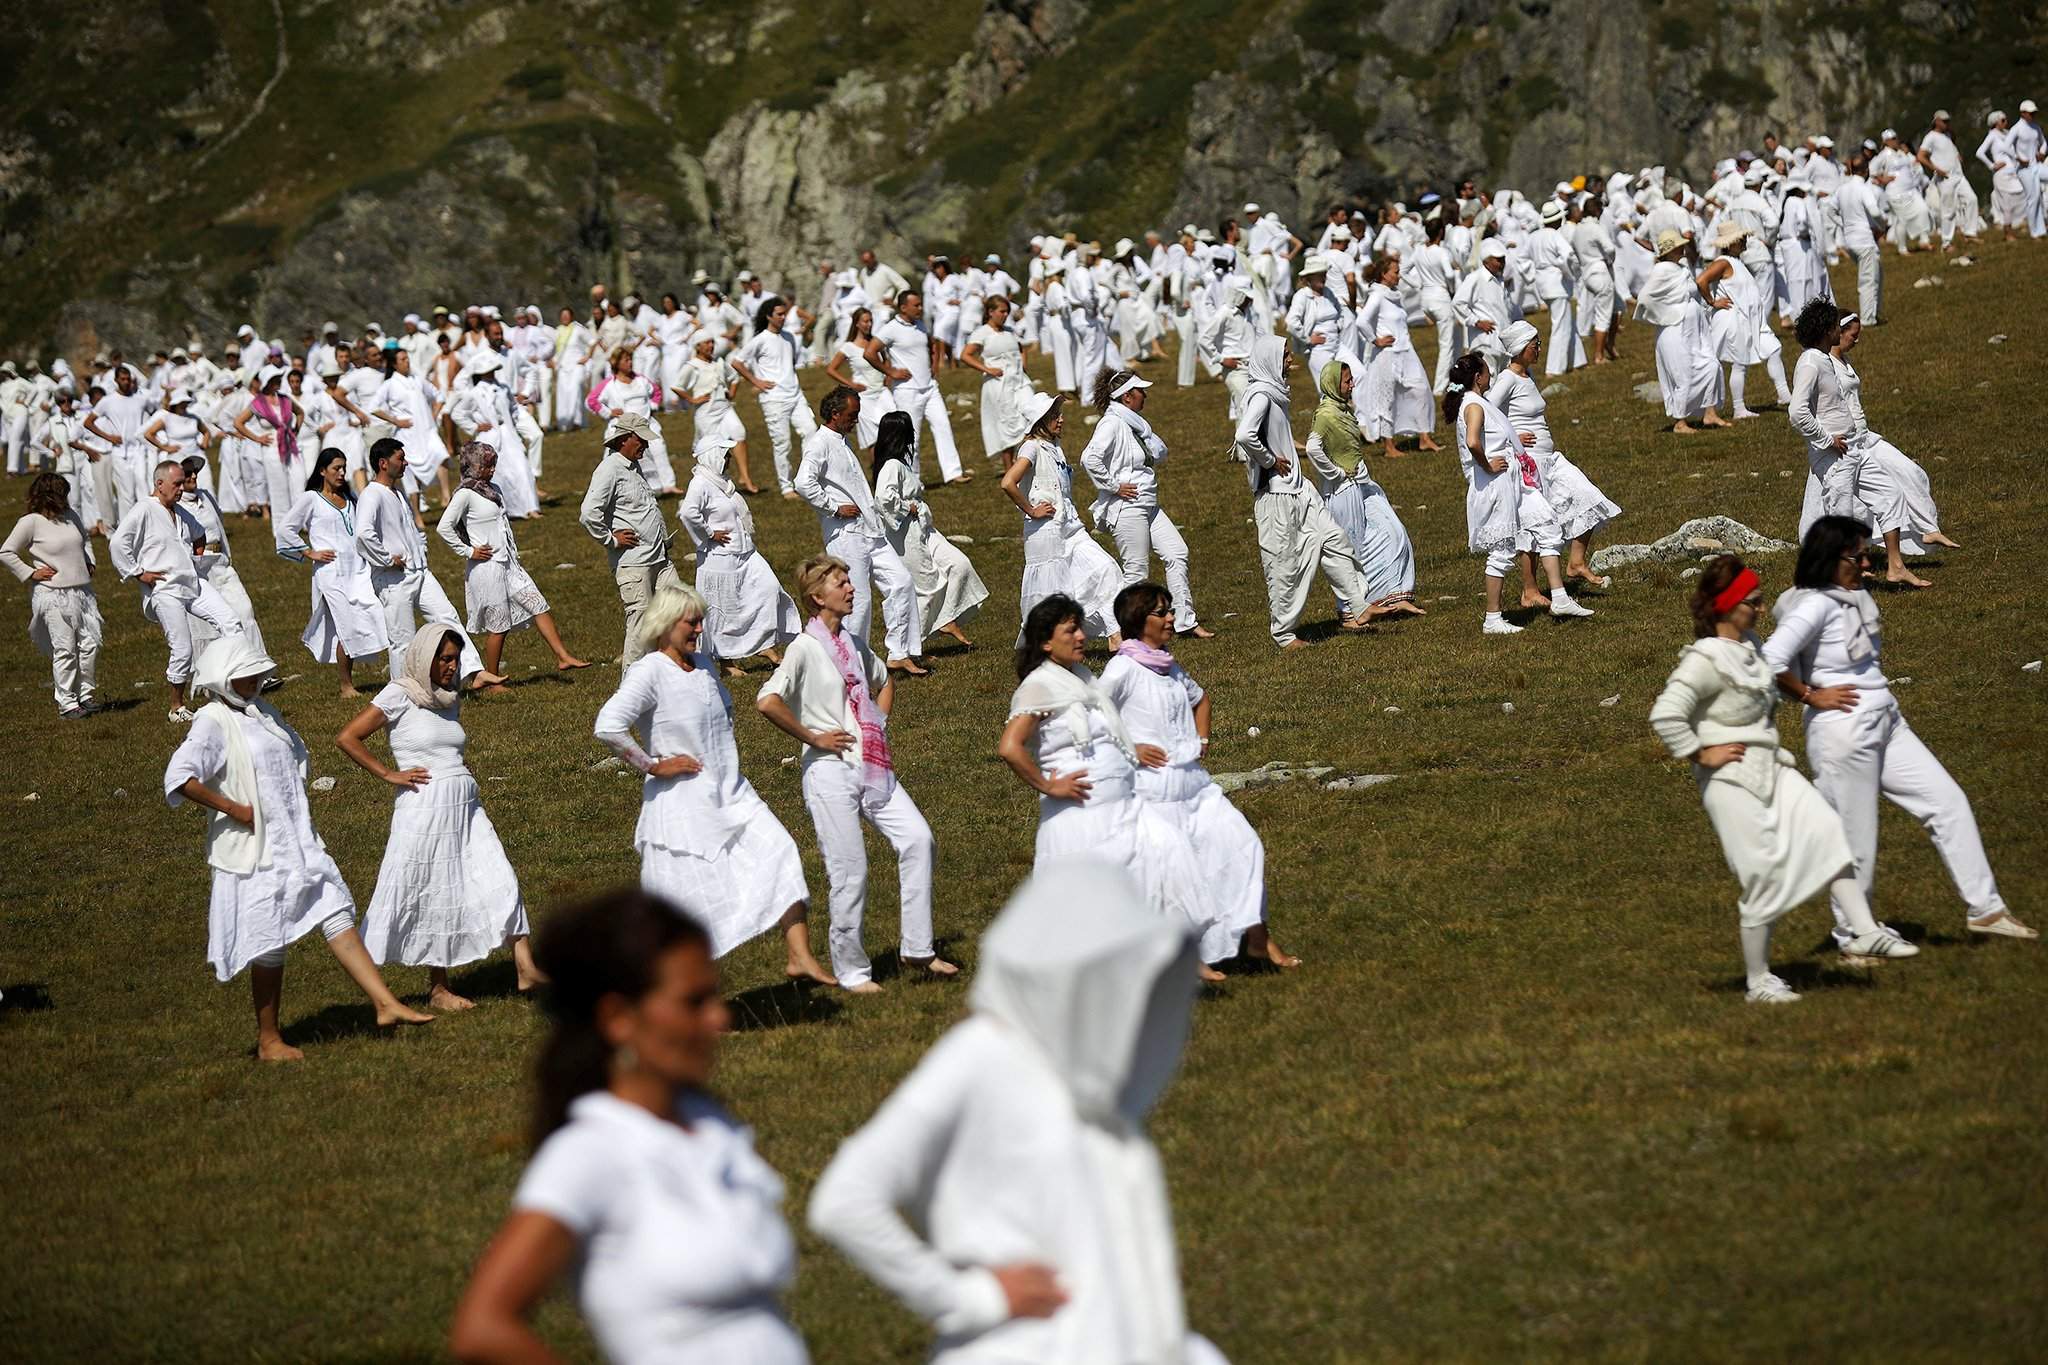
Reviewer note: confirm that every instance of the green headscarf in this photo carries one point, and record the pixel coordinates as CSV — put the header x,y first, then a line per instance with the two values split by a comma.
x,y
1335,422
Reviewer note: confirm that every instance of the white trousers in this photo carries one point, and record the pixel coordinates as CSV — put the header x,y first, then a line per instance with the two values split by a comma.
x,y
531,436
1141,532
128,472
410,594
69,618
926,408
16,425
833,792
1184,329
2031,178
1861,754
1296,533
173,616
783,413
874,567
1869,280
220,575
1437,304
1565,351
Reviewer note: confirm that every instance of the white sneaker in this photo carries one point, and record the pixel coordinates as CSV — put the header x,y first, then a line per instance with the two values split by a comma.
x,y
2001,924
1562,604
1880,943
1772,990
182,715
1499,625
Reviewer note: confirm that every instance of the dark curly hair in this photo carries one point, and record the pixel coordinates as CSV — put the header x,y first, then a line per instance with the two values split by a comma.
x,y
1816,320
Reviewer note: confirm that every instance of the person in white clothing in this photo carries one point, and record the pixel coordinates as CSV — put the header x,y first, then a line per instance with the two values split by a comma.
x,y
1007,1192
1859,214
1574,502
949,591
1165,708
1552,263
768,361
215,562
910,352
1393,401
856,364
1825,654
642,1191
392,543
831,481
154,545
1335,452
1430,268
411,406
1316,317
501,596
51,549
1679,303
994,350
2030,150
273,880
1060,557
446,894
746,612
833,696
709,386
1742,332
485,408
119,419
1780,837
2008,194
346,621
1597,306
1122,458
625,392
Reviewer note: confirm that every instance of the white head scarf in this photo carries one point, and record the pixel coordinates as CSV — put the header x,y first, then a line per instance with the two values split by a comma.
x,y
226,659
416,673
1265,368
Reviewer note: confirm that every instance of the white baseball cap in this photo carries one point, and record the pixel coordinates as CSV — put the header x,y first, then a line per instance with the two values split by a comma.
x,y
1132,383
1824,141
1940,116
1251,207
2028,107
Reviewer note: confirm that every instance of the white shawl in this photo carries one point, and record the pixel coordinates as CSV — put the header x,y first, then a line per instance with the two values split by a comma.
x,y
1070,693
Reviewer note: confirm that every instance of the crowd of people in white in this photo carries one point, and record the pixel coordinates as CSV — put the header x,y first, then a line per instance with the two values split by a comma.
x,y
334,446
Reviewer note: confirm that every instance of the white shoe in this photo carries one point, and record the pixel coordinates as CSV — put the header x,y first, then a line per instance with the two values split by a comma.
x,y
1498,625
2001,924
1562,604
182,715
1772,990
1880,943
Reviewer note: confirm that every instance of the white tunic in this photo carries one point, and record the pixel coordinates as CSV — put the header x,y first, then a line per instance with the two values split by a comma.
x,y
345,612
948,588
745,609
683,1248
500,594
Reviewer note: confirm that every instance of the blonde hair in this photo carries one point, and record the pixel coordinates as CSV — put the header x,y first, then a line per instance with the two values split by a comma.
x,y
664,609
811,576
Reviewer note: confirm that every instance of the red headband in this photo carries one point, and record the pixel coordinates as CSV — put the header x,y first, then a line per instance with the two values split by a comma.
x,y
1745,583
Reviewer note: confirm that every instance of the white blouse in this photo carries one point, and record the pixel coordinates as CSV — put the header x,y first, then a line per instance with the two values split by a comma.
x,y
423,736
680,711
1523,404
1052,480
684,1247
1382,316
810,684
1822,639
870,379
1158,708
714,504
472,519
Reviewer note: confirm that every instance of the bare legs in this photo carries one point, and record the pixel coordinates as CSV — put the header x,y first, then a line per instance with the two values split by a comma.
x,y
1578,566
494,649
266,989
739,461
1259,943
1895,570
803,964
266,985
345,669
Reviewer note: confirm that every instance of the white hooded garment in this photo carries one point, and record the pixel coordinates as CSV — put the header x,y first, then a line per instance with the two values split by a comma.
x,y
1020,1138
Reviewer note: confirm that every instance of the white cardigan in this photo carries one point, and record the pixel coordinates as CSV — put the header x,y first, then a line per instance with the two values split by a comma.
x,y
809,682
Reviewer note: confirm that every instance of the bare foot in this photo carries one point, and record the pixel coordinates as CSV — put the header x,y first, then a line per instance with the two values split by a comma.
x,y
401,1014
810,970
1360,623
1906,578
441,998
936,965
349,692
1198,633
950,629
1425,444
864,988
485,678
1296,643
1281,958
277,1050
570,662
1409,608
1586,575
1713,420
963,477
789,496
1684,429
528,984
1534,599
735,671
1937,538
1210,974
908,667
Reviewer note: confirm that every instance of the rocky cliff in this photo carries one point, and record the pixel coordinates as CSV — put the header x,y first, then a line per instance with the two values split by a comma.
x,y
188,163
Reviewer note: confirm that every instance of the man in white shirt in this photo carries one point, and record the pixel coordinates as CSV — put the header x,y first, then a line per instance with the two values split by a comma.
x,y
154,545
1944,166
768,361
2030,150
1860,213
909,350
1897,172
1483,306
830,479
118,419
880,281
1227,340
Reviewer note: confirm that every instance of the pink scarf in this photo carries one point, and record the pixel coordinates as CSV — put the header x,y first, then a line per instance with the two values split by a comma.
x,y
1146,656
877,772
279,415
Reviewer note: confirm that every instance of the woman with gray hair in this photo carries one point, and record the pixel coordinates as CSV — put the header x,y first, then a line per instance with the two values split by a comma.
x,y
705,837
501,595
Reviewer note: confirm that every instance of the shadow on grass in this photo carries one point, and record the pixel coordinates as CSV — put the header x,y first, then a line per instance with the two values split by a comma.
x,y
1806,976
782,1006
496,979
333,1023
124,704
26,997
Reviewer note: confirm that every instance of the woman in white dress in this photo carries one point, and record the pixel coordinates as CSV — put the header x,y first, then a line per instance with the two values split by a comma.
x,y
949,591
707,390
273,881
346,622
270,426
1678,304
625,391
51,549
1783,842
856,364
500,595
746,612
1581,508
408,403
705,838
1165,708
833,696
1007,1192
1742,332
1060,557
1123,459
643,1191
1852,471
446,895
486,409
993,349
1500,477
1065,739
177,435
1336,452
1827,654
1396,401
1803,276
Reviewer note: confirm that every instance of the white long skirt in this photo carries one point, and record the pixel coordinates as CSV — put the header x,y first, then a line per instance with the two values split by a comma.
x,y
1581,507
745,609
1385,554
446,893
737,890
1687,371
1082,570
1397,394
948,588
1115,827
345,612
1228,851
1781,851
501,596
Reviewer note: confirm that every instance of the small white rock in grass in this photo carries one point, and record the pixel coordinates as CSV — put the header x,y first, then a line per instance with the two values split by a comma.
x,y
1962,263
292,677
2034,667
1690,573
120,791
1695,476
31,797
323,784
1391,711
1091,419
1357,782
1553,390
1901,682
1507,708
565,566
790,761
1254,732
1227,615
1448,597
1942,458
1614,700
961,540
1998,340
1784,473
494,779
533,668
611,761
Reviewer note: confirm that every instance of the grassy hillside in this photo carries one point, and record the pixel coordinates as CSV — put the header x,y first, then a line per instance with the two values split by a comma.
x,y
1512,1106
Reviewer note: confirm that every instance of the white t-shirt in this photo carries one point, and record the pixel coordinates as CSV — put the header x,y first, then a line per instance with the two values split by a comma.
x,y
909,347
772,356
123,414
684,1247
